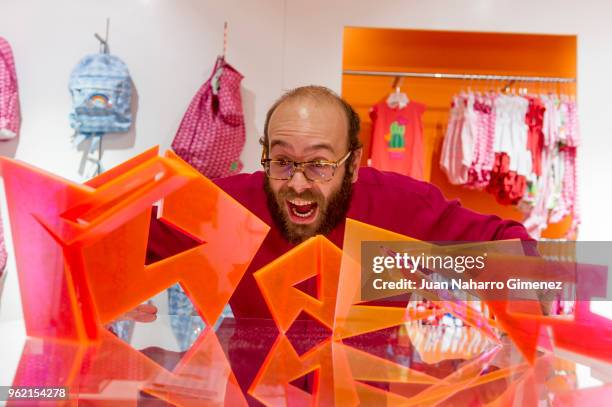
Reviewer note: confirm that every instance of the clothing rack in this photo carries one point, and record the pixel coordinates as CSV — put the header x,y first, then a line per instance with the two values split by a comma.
x,y
550,79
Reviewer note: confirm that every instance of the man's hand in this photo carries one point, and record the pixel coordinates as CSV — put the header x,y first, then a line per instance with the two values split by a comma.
x,y
547,298
142,313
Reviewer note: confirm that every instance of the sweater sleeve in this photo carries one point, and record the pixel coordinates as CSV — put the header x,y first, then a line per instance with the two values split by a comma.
x,y
456,223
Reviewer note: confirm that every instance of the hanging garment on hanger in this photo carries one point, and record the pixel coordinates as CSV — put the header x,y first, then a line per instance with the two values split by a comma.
x,y
458,149
555,202
535,136
451,156
567,144
570,186
512,158
554,194
511,136
522,149
10,118
535,202
397,138
479,173
212,133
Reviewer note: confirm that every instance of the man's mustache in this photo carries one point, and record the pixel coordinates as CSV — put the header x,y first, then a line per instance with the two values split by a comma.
x,y
309,196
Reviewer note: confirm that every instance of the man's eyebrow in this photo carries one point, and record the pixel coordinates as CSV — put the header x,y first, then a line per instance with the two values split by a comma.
x,y
280,143
321,146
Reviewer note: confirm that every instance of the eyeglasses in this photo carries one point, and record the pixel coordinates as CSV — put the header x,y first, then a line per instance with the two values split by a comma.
x,y
315,171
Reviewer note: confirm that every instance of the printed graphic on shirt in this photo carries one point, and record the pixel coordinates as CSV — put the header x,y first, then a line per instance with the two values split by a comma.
x,y
396,138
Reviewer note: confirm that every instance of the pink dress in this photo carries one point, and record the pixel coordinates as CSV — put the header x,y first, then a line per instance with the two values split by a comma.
x,y
397,138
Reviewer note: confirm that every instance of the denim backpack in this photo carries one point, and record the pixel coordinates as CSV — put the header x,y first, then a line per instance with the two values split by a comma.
x,y
101,91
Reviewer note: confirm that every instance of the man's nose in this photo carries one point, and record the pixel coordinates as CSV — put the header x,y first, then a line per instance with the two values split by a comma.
x,y
298,182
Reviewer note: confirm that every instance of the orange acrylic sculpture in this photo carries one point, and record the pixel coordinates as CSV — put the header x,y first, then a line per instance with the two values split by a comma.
x,y
80,252
80,249
316,258
338,303
342,372
319,258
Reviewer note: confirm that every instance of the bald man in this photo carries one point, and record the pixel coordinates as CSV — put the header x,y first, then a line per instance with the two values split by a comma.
x,y
311,182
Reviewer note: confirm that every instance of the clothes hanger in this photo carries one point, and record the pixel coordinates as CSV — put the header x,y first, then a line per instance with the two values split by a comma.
x,y
523,90
465,87
220,63
469,85
491,87
506,87
95,148
103,41
224,40
397,98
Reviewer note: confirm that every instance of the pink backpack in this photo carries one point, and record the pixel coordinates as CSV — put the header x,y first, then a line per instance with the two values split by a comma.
x,y
10,117
211,135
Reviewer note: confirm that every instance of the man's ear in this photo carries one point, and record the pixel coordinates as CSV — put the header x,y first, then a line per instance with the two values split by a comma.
x,y
355,161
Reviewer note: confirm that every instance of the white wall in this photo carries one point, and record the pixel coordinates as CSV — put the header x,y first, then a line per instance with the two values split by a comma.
x,y
170,46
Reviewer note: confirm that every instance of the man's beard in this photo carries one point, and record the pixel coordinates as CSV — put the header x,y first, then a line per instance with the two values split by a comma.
x,y
331,212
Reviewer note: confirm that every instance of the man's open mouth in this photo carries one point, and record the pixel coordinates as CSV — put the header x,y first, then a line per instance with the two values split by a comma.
x,y
301,210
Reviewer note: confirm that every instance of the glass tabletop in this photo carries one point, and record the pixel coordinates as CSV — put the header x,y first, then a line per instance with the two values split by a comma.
x,y
247,361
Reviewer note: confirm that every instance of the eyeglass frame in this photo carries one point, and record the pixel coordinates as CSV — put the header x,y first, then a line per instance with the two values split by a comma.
x,y
299,165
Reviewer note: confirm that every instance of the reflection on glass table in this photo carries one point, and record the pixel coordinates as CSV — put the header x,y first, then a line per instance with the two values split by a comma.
x,y
180,316
240,362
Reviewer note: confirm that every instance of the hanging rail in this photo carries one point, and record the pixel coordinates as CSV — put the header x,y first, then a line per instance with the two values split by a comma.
x,y
461,76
